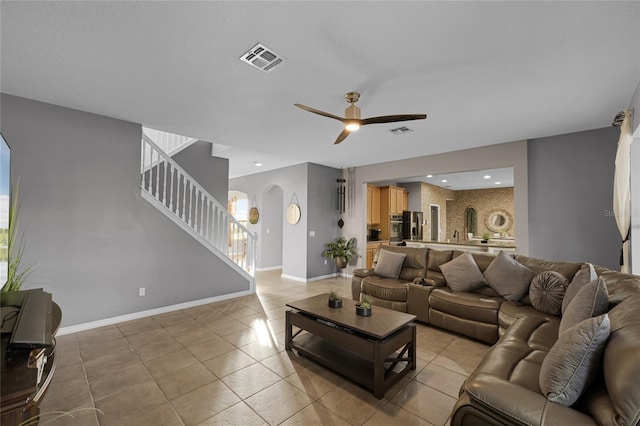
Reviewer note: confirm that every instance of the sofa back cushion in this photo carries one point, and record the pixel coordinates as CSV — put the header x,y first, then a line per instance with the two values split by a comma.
x,y
435,258
567,269
483,260
415,262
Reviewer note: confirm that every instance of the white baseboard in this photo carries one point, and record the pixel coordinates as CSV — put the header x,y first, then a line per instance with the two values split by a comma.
x,y
308,280
268,268
157,311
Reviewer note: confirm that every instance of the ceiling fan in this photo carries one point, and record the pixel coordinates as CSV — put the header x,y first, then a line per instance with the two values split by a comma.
x,y
352,120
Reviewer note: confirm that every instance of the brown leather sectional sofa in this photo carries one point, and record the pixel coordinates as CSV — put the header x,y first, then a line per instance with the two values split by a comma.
x,y
505,388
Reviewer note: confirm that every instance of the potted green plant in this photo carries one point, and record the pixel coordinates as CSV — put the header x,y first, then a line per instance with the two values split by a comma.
x,y
485,237
335,300
341,251
17,270
363,308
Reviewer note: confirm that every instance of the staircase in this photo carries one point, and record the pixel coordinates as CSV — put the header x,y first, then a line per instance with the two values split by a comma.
x,y
170,143
178,196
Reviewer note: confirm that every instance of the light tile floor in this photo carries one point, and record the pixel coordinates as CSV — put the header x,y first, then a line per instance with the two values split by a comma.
x,y
225,363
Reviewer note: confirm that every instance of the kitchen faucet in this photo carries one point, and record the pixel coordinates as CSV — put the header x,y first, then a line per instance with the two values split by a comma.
x,y
456,234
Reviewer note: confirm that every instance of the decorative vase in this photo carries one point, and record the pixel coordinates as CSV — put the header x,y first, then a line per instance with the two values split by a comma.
x,y
341,262
335,303
363,312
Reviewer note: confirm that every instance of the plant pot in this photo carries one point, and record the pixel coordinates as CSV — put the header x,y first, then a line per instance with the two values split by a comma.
x,y
363,312
484,241
335,303
341,262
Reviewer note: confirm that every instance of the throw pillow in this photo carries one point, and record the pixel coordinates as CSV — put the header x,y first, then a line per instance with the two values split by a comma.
x,y
574,360
547,291
585,275
389,264
462,273
509,278
590,301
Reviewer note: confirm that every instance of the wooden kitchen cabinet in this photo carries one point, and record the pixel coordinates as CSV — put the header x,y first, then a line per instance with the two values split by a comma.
x,y
371,251
393,200
373,205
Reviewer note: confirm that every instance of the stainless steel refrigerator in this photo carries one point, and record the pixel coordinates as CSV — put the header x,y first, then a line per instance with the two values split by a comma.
x,y
412,225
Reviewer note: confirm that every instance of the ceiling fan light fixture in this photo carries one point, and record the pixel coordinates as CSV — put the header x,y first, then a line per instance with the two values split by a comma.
x,y
352,126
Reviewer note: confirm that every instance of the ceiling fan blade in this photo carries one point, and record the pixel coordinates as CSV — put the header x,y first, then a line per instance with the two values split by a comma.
x,y
317,111
392,118
342,136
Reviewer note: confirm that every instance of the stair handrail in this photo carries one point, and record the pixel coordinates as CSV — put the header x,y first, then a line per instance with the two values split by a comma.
x,y
215,240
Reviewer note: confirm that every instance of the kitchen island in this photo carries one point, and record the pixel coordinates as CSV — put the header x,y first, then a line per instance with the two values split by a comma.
x,y
493,246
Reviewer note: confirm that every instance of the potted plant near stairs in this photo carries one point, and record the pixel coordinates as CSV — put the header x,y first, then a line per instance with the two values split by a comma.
x,y
341,251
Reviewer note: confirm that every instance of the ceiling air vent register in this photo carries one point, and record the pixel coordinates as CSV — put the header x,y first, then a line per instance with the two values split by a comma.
x,y
263,58
400,130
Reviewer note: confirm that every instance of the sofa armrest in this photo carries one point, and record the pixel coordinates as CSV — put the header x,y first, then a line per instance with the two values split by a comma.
x,y
497,395
362,272
418,300
356,281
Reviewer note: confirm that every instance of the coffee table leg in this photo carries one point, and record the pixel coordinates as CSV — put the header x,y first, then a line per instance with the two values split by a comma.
x,y
412,350
288,331
378,372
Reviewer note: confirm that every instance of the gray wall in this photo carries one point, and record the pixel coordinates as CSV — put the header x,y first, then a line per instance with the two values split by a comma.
x,y
315,206
323,218
415,195
93,239
271,225
571,197
210,172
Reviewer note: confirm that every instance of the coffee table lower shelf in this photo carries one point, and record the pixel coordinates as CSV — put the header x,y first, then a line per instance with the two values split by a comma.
x,y
376,364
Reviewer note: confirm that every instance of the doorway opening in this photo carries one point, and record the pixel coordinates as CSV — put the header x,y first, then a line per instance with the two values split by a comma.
x,y
435,221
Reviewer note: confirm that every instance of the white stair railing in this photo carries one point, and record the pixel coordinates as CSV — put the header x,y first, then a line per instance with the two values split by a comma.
x,y
170,143
176,194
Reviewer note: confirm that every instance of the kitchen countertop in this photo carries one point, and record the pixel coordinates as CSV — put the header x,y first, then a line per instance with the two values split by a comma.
x,y
469,243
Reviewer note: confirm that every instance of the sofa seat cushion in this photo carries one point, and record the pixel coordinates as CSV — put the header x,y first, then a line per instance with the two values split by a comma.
x,y
510,312
435,278
519,353
385,288
470,306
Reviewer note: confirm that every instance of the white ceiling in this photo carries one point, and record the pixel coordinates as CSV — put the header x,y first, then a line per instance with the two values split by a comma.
x,y
483,72
472,179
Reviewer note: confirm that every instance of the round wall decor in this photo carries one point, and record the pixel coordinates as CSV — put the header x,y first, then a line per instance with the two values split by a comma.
x,y
254,215
293,213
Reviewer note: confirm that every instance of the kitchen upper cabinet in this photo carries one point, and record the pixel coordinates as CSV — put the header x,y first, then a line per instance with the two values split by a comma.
x,y
394,200
373,204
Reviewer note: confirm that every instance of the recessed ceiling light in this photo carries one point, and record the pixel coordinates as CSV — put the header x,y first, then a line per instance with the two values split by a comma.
x,y
498,183
487,177
444,181
429,176
257,164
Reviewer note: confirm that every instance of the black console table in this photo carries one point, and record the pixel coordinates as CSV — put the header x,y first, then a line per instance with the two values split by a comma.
x,y
22,392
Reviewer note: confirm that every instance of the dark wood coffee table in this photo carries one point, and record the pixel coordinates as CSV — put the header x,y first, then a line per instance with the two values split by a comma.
x,y
374,351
